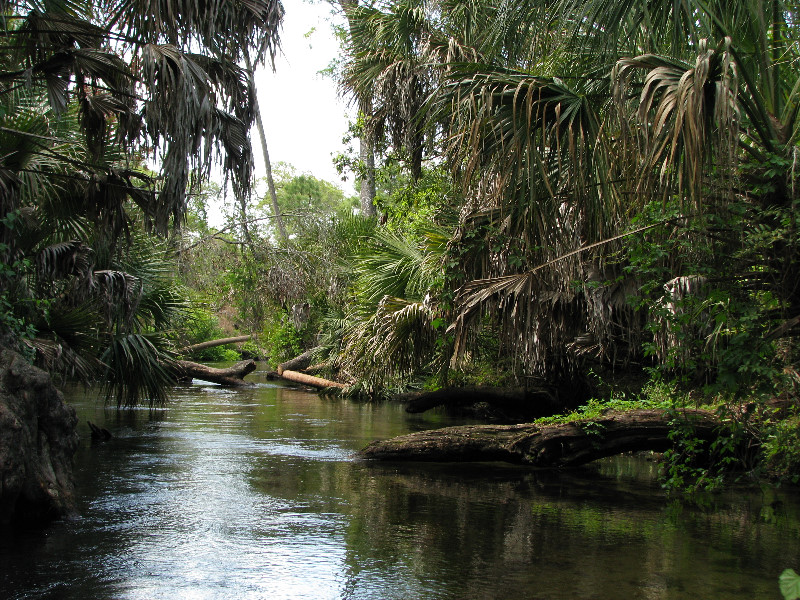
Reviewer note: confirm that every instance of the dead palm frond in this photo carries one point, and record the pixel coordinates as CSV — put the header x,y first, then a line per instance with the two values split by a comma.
x,y
687,118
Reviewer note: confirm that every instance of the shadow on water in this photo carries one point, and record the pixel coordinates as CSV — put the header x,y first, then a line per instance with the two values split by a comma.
x,y
254,494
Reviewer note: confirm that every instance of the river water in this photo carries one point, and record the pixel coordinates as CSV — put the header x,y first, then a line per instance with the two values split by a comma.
x,y
254,494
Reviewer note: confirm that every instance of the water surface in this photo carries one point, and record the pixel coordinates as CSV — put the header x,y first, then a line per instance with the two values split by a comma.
x,y
255,494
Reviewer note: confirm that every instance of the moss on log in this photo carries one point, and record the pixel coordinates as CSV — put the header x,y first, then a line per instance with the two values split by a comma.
x,y
547,446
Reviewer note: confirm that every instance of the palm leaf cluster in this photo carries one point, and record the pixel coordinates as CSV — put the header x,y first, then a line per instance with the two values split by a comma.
x,y
123,64
586,134
91,92
389,334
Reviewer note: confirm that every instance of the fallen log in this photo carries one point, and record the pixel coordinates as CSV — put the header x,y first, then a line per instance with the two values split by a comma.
x,y
299,362
532,403
546,446
318,368
230,377
215,343
316,382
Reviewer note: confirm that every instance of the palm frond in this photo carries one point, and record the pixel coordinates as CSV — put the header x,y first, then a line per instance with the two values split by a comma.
x,y
138,367
687,117
395,343
395,266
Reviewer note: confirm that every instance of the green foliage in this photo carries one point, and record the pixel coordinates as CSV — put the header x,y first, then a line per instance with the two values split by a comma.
x,y
781,448
87,95
411,205
306,202
13,322
247,276
655,396
138,367
705,326
790,584
280,339
685,466
200,325
393,328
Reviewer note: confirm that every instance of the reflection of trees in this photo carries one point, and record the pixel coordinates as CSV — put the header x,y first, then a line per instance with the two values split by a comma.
x,y
495,532
433,530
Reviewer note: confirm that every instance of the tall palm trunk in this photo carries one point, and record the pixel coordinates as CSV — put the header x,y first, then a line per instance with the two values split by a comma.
x,y
276,210
366,152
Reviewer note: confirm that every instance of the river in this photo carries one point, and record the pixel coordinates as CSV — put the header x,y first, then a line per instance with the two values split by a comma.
x,y
254,494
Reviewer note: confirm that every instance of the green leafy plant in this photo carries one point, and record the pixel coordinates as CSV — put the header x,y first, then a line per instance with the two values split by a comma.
x,y
780,446
200,325
281,339
790,584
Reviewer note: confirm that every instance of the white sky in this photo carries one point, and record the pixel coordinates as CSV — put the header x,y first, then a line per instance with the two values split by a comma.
x,y
304,119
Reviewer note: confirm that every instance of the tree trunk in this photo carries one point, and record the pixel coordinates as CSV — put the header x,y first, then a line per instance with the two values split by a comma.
x,y
316,382
546,446
215,343
367,197
230,377
276,211
366,151
298,363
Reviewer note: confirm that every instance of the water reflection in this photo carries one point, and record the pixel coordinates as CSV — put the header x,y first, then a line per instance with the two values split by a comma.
x,y
253,494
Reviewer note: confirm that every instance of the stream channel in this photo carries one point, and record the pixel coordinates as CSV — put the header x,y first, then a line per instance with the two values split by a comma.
x,y
254,494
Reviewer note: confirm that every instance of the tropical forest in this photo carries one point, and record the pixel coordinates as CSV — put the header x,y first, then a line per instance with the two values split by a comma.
x,y
539,339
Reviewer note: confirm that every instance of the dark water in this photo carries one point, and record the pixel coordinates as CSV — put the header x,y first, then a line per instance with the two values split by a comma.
x,y
254,494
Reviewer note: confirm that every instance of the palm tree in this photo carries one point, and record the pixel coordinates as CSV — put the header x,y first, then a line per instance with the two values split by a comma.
x,y
259,118
386,70
366,152
691,103
585,134
88,94
390,333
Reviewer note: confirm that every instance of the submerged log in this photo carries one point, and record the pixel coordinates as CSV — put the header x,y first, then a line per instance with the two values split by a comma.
x,y
99,434
230,377
316,382
546,446
215,343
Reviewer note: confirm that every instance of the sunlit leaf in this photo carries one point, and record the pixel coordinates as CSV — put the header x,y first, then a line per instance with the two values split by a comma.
x,y
790,584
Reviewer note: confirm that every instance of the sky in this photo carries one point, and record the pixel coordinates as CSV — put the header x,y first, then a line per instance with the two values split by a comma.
x,y
304,117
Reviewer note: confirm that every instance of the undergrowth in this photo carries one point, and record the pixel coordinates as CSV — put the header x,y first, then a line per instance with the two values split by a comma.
x,y
754,440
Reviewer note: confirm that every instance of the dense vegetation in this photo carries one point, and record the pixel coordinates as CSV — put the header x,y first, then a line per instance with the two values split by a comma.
x,y
87,102
570,194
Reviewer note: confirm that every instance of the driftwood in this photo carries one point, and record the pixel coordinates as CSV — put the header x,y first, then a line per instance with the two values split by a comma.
x,y
545,446
531,403
215,343
230,377
318,368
